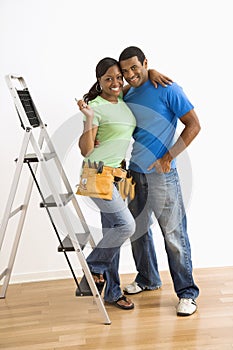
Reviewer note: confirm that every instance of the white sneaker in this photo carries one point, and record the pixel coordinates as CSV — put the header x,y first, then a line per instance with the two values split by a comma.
x,y
186,307
134,288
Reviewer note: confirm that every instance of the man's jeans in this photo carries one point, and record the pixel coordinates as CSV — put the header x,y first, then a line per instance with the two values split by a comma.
x,y
117,226
161,194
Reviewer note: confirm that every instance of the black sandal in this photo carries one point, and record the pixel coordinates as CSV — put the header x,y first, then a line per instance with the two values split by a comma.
x,y
124,307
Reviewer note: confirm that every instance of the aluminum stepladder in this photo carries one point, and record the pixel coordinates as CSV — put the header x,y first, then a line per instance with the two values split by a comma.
x,y
31,122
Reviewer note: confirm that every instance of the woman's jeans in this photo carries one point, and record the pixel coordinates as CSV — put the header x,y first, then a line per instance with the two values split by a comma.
x,y
161,194
117,226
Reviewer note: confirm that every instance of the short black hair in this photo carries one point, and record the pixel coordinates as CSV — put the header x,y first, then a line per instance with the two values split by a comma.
x,y
132,51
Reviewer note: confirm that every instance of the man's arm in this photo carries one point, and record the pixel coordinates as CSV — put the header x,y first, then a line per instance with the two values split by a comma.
x,y
190,131
156,78
159,78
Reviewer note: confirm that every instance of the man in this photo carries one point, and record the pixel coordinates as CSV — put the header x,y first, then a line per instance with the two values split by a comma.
x,y
153,168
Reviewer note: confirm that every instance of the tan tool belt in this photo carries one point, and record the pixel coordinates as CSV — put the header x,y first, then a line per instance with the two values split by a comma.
x,y
97,180
116,172
127,188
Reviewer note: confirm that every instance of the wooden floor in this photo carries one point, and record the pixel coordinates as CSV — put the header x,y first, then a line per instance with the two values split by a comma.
x,y
47,315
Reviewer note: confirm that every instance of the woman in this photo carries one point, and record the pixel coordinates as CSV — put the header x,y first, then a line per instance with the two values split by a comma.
x,y
109,120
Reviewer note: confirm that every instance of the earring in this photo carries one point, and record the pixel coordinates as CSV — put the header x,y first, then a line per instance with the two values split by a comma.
x,y
98,87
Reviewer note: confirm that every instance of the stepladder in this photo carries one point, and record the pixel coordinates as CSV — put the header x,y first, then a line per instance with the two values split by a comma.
x,y
39,155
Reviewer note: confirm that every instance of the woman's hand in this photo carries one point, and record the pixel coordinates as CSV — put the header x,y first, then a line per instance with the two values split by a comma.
x,y
85,109
159,78
87,139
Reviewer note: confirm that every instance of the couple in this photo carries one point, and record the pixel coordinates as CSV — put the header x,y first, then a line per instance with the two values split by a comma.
x,y
112,114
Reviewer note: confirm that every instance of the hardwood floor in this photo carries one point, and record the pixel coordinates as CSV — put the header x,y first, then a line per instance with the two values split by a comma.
x,y
47,315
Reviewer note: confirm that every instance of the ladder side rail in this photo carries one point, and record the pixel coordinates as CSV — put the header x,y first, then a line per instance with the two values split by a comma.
x,y
82,219
71,233
17,238
53,225
50,182
84,265
57,161
53,189
23,213
14,186
44,137
27,138
57,198
69,190
67,184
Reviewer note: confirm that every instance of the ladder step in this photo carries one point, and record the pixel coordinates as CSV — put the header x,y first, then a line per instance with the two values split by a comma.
x,y
84,289
50,202
82,238
32,157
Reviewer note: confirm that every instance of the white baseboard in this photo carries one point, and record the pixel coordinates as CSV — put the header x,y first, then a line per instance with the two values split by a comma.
x,y
56,275
43,276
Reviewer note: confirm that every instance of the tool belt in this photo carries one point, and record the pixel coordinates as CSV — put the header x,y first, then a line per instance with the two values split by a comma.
x,y
126,187
97,180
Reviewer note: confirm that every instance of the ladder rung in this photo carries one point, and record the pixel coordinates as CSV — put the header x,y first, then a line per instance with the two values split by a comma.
x,y
4,273
82,238
16,210
50,202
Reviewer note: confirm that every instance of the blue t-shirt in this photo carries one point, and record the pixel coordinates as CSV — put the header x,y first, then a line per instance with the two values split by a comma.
x,y
156,112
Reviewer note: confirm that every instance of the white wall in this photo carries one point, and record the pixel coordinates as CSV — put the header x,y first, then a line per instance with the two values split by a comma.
x,y
56,44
